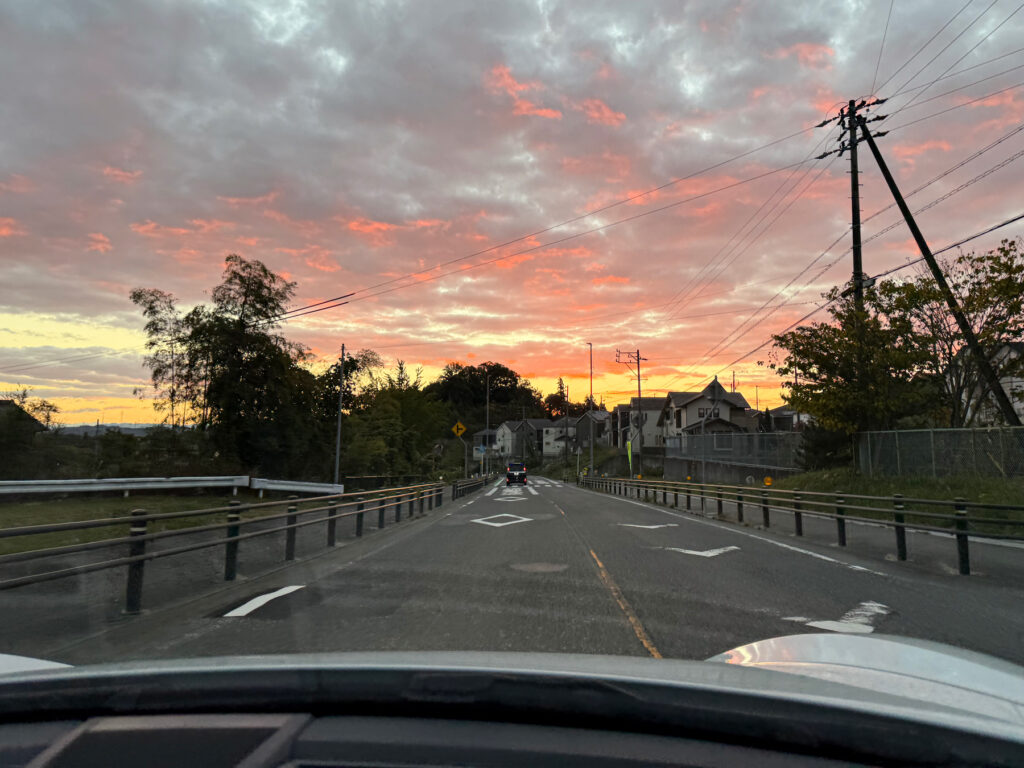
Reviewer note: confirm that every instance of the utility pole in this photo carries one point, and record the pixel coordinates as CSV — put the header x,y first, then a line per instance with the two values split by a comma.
x,y
858,266
341,400
984,366
627,359
589,344
487,429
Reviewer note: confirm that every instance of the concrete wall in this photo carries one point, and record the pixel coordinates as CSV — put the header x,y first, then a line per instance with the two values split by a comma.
x,y
732,474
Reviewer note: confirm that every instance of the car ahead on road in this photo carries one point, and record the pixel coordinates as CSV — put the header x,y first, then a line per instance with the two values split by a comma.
x,y
821,700
515,472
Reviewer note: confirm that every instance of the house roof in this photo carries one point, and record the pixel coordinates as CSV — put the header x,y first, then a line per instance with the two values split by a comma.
x,y
12,410
595,415
646,403
715,392
484,432
695,428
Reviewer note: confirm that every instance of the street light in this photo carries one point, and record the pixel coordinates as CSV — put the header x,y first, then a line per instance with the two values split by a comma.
x,y
589,344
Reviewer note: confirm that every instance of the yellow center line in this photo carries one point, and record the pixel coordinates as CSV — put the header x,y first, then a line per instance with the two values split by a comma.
x,y
631,617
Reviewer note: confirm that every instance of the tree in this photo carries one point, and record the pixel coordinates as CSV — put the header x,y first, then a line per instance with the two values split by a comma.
x,y
860,371
990,289
164,341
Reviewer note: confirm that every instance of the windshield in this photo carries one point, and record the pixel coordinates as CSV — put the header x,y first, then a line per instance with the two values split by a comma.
x,y
646,329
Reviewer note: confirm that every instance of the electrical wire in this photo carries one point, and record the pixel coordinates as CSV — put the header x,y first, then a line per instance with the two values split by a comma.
x,y
881,47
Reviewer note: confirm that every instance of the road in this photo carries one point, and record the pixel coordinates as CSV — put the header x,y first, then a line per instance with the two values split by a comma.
x,y
551,567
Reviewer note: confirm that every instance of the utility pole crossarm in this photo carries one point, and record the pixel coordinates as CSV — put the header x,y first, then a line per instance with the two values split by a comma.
x,y
984,366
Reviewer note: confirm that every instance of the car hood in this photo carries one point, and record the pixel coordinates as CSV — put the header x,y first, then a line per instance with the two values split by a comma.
x,y
880,675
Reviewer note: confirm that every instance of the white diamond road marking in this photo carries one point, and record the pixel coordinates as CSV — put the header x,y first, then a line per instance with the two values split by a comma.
x,y
705,553
505,519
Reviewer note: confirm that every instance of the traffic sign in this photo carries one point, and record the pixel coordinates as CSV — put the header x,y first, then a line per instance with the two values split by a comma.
x,y
459,429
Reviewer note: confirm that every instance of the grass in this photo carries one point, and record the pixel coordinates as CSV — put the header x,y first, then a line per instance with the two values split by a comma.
x,y
93,507
972,488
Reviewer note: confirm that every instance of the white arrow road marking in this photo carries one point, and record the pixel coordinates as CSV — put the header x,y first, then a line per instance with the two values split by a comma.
x,y
498,521
533,491
856,621
705,553
258,602
649,527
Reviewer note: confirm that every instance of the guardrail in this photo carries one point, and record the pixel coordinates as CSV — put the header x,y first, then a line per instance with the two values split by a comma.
x,y
124,484
384,503
895,512
461,487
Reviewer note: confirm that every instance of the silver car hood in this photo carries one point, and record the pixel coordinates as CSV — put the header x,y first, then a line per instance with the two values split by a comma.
x,y
883,675
918,669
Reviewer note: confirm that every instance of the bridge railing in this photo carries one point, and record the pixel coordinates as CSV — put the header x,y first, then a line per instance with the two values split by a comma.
x,y
236,521
958,518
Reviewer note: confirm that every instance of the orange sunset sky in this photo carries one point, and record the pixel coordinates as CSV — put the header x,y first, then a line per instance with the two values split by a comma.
x,y
494,181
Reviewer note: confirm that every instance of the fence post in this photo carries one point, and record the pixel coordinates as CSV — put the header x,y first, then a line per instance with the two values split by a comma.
x,y
289,535
645,492
412,505
136,570
382,505
739,506
840,522
430,499
718,498
675,501
901,531
764,508
963,552
687,498
231,545
798,517
398,509
332,523
419,498
359,517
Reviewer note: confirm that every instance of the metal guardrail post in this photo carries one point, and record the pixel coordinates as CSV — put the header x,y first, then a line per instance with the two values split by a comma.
x,y
963,551
764,508
231,545
798,517
901,531
840,522
419,498
430,499
739,506
332,523
675,502
289,535
645,493
688,499
398,509
136,570
382,505
359,517
718,497
412,505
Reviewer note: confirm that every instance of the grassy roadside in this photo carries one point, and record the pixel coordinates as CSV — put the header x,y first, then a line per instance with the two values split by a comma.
x,y
92,507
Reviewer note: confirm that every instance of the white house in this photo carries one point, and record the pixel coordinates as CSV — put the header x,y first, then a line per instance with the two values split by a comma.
x,y
711,410
559,437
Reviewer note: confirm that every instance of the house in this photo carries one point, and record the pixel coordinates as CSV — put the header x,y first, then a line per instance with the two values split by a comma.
x,y
521,440
559,438
17,423
484,443
638,423
713,409
602,428
620,425
782,419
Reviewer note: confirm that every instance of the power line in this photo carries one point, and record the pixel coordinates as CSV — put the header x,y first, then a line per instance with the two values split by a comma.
x,y
958,72
956,106
881,47
927,43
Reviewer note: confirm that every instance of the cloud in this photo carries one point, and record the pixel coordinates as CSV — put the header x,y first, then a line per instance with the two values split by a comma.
x,y
99,242
121,176
352,145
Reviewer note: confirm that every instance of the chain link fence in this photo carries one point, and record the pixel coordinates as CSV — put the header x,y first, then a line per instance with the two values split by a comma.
x,y
775,450
992,452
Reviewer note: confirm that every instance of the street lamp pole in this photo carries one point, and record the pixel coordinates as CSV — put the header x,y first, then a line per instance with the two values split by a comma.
x,y
487,429
341,399
590,344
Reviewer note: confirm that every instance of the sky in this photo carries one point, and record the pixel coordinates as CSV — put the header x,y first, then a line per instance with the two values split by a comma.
x,y
494,181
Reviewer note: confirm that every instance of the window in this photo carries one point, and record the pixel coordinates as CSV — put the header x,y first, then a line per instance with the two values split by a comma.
x,y
679,418
700,412
714,414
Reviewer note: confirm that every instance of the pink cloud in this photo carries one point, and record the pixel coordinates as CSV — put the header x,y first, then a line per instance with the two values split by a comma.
x,y
608,279
369,226
500,80
810,55
99,242
236,202
149,228
909,151
599,113
17,184
204,226
9,227
120,175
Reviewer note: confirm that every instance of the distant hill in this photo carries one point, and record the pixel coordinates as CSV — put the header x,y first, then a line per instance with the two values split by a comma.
x,y
91,429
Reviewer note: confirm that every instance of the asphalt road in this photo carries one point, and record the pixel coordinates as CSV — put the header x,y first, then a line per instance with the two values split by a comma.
x,y
551,567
